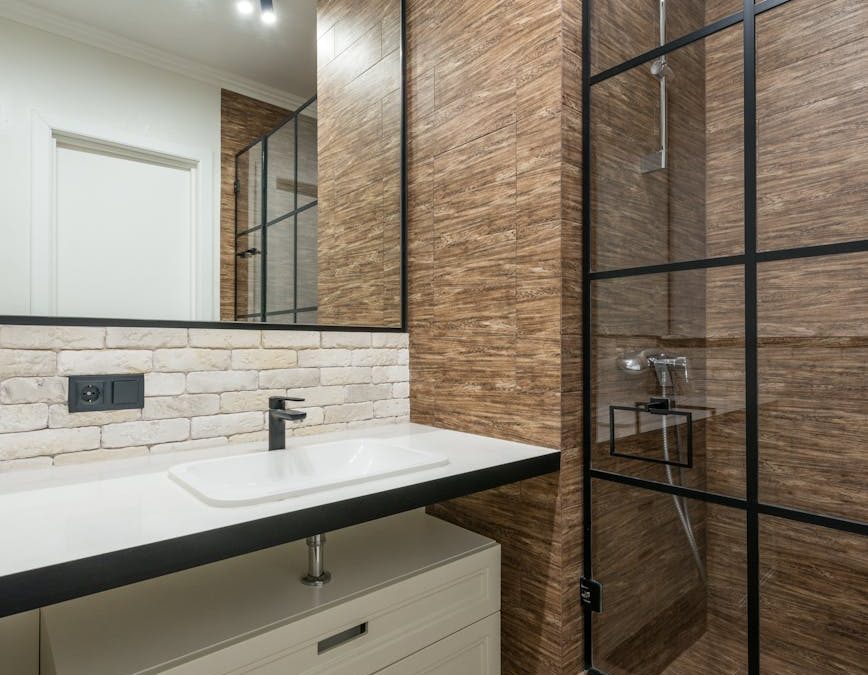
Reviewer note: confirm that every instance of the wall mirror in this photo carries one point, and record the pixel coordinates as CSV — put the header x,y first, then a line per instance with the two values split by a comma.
x,y
202,161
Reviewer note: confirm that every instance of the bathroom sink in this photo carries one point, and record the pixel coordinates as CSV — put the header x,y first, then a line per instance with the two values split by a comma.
x,y
268,476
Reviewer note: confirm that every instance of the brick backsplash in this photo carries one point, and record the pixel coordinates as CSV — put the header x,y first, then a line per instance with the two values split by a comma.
x,y
202,387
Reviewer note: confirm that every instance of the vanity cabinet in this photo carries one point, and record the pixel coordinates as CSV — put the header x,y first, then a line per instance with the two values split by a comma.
x,y
410,594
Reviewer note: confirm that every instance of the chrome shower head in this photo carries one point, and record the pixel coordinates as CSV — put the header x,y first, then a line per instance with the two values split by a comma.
x,y
634,363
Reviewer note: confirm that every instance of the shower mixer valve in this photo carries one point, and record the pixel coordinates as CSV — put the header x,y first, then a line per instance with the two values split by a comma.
x,y
666,366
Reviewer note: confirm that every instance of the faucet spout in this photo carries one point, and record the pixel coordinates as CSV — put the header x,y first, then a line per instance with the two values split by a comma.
x,y
278,415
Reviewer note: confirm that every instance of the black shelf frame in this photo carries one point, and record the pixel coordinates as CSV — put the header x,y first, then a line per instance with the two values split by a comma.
x,y
751,505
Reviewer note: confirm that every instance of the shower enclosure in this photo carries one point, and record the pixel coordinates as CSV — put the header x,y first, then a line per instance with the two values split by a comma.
x,y
725,334
276,223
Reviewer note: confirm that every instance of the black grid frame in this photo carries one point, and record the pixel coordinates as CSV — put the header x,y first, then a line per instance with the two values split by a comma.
x,y
751,505
265,223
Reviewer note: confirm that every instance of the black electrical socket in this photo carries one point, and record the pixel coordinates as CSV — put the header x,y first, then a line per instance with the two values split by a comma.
x,y
93,393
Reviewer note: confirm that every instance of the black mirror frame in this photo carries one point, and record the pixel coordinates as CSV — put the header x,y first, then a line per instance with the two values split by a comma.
x,y
21,320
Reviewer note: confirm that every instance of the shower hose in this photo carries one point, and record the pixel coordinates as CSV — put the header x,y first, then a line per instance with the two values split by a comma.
x,y
679,502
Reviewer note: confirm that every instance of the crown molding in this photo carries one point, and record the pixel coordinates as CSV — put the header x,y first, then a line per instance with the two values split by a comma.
x,y
19,12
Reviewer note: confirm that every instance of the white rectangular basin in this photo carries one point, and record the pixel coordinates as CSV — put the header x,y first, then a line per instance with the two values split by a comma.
x,y
268,476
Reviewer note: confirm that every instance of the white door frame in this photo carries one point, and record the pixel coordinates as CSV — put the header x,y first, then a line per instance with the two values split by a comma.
x,y
204,226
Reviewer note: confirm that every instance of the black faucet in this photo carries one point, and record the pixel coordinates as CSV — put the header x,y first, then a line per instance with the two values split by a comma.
x,y
277,416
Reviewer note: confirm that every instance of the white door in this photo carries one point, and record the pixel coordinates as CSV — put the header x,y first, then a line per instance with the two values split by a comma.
x,y
124,237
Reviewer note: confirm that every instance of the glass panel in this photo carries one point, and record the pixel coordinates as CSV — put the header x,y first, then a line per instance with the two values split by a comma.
x,y
694,208
307,258
248,273
813,612
622,29
307,159
678,335
280,284
813,330
281,171
248,201
812,95
673,594
307,317
288,318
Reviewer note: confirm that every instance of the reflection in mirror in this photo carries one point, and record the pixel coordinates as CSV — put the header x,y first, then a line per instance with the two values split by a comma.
x,y
190,161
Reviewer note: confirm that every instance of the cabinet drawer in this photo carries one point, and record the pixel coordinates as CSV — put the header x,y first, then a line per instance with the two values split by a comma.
x,y
398,620
472,651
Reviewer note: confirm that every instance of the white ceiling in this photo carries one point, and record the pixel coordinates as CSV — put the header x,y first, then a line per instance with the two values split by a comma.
x,y
208,32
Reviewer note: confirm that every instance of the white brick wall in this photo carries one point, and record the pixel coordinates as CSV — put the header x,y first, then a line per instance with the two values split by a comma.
x,y
202,388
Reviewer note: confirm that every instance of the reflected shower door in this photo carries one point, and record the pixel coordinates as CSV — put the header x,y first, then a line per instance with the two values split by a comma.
x,y
248,234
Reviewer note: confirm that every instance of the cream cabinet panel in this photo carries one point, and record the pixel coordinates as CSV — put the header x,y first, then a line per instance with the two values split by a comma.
x,y
472,651
19,644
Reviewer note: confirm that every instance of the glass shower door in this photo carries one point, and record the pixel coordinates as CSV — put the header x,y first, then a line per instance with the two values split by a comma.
x,y
725,308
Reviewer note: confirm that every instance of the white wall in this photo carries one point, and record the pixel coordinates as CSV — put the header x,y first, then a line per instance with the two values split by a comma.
x,y
82,90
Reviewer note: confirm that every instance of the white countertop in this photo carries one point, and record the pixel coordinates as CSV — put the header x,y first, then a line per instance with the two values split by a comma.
x,y
62,514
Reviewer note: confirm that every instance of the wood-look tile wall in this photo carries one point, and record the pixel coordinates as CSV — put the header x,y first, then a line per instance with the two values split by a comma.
x,y
359,108
494,128
243,120
813,613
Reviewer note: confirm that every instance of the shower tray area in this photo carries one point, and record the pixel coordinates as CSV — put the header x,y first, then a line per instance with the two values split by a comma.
x,y
725,324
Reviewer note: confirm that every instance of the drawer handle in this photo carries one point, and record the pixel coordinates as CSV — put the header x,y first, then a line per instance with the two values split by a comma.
x,y
341,638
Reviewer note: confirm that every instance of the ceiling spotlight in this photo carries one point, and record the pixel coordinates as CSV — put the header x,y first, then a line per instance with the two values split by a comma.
x,y
244,7
268,16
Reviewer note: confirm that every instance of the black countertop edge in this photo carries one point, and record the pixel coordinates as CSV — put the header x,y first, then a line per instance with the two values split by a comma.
x,y
44,586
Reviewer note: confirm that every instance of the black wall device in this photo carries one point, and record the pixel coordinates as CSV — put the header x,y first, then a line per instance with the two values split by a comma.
x,y
92,393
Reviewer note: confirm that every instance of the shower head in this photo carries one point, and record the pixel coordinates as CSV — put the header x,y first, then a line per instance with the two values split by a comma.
x,y
634,363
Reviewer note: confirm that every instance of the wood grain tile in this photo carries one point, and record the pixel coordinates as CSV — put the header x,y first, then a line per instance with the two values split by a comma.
x,y
813,611
813,420
359,114
811,102
487,252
